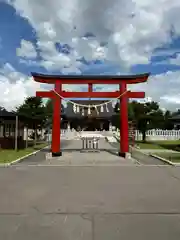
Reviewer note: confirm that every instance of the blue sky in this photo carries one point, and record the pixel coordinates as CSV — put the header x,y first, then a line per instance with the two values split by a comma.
x,y
31,41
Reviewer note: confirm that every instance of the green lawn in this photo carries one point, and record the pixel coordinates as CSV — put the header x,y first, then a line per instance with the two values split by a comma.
x,y
7,156
174,145
173,157
148,145
168,142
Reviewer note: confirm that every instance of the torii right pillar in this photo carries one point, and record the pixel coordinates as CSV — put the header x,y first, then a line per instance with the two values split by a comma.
x,y
124,128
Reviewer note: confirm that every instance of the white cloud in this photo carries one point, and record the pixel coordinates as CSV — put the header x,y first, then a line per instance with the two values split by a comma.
x,y
132,29
8,72
27,50
15,87
176,60
163,88
166,52
29,62
90,49
71,69
54,60
172,99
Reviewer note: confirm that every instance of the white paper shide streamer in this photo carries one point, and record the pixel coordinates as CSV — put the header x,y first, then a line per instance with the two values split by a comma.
x,y
89,110
102,108
107,110
99,107
82,111
96,108
74,108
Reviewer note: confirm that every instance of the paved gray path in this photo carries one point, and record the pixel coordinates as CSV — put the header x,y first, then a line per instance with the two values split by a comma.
x,y
125,202
104,158
72,156
141,158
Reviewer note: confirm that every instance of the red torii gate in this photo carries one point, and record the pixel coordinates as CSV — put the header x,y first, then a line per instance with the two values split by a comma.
x,y
59,80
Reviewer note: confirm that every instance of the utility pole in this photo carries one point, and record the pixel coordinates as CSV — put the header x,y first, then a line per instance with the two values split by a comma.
x,y
16,134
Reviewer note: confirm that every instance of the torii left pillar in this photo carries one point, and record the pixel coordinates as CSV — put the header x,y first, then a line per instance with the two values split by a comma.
x,y
56,126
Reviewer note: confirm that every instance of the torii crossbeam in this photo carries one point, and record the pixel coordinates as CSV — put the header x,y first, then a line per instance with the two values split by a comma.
x,y
59,80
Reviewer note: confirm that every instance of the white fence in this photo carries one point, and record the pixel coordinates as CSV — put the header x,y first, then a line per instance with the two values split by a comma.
x,y
156,134
151,135
69,134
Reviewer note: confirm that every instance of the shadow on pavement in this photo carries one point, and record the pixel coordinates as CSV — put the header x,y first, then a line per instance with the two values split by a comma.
x,y
66,146
112,152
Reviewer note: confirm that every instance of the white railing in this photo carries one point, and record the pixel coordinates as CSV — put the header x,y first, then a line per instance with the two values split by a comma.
x,y
155,135
73,134
159,134
151,135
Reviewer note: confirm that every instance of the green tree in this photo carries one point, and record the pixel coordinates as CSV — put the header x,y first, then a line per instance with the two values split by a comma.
x,y
2,111
117,107
49,111
168,123
147,116
130,112
117,117
33,113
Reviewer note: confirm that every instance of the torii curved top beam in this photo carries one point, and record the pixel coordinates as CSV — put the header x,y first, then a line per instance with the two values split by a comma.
x,y
91,79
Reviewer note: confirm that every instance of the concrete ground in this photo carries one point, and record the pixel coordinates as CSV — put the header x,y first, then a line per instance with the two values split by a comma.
x,y
125,201
73,156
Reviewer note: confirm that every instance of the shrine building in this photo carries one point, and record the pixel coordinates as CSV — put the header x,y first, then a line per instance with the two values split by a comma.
x,y
99,118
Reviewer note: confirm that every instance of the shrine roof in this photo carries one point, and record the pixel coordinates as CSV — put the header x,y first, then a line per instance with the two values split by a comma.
x,y
84,79
5,113
176,117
